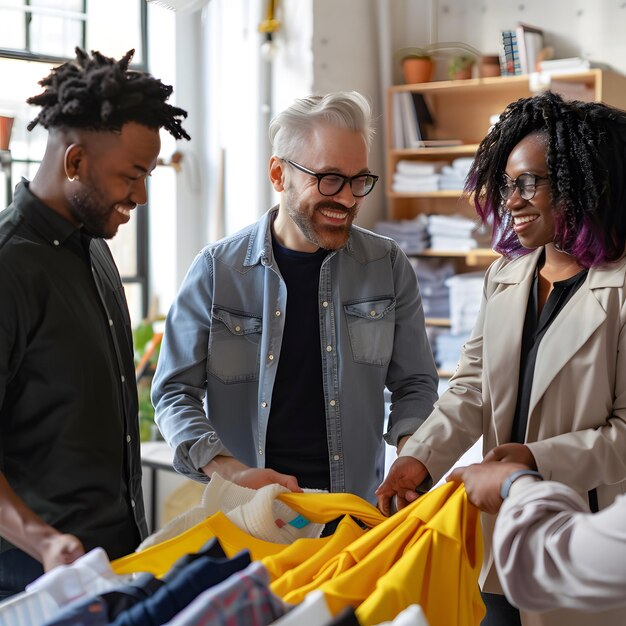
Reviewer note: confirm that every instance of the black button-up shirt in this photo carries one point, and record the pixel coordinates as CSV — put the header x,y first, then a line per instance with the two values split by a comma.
x,y
69,435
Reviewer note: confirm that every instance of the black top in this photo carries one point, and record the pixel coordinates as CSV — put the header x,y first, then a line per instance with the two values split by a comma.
x,y
296,433
535,327
69,433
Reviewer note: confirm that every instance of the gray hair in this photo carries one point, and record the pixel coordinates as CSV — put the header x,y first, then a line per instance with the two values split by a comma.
x,y
345,109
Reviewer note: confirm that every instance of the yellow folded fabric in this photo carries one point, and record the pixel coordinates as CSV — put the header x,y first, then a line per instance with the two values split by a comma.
x,y
439,571
292,568
371,555
316,507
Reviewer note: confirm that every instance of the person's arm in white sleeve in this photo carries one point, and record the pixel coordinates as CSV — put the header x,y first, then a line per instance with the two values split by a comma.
x,y
551,552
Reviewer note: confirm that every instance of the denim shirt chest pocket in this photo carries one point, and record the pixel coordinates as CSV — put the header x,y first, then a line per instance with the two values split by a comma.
x,y
371,329
234,346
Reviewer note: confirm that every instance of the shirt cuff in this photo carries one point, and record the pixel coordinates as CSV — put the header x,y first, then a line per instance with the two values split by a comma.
x,y
521,483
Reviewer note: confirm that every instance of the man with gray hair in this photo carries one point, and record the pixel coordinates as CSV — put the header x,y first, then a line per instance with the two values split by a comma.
x,y
283,336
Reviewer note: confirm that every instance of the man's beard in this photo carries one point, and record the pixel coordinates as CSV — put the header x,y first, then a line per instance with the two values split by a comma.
x,y
89,207
326,236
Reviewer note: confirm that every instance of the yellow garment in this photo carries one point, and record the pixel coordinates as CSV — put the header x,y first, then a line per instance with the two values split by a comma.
x,y
439,571
429,554
376,551
290,568
316,507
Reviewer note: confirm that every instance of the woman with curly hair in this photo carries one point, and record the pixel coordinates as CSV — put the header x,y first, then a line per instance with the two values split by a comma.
x,y
543,377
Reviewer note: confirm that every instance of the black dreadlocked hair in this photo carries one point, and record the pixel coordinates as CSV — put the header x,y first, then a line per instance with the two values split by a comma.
x,y
99,93
586,159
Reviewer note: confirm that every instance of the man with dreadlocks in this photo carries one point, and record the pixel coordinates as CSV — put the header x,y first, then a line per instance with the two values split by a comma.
x,y
543,377
70,474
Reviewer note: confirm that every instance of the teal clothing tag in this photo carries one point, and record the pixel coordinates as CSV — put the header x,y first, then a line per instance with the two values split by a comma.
x,y
299,522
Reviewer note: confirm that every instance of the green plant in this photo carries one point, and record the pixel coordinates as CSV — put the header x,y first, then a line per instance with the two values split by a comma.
x,y
459,63
146,343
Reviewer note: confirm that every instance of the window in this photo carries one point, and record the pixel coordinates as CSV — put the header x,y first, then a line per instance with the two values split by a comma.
x,y
36,35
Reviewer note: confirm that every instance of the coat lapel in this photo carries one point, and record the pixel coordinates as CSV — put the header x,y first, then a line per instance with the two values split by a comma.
x,y
573,327
502,339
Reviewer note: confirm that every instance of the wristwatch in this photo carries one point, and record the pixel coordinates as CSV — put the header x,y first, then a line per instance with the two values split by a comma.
x,y
511,478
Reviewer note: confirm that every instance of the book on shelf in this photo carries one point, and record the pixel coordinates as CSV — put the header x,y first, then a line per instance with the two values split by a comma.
x,y
397,128
411,117
509,54
410,123
529,44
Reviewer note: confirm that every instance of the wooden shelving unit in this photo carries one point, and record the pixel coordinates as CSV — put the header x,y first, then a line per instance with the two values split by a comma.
x,y
461,110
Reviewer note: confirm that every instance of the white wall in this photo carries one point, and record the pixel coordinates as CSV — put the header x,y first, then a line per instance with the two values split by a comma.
x,y
322,45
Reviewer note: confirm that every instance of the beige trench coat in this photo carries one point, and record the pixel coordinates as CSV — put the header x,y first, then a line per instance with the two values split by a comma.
x,y
577,415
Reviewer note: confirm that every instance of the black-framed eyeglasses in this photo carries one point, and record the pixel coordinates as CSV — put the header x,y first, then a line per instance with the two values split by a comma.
x,y
526,183
331,184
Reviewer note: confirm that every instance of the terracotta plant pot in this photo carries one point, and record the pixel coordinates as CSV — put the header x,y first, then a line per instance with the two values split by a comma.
x,y
463,73
6,124
417,70
489,66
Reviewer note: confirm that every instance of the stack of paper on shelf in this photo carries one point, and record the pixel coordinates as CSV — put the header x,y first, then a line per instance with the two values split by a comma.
x,y
453,176
416,176
447,349
452,232
466,292
570,65
411,235
431,276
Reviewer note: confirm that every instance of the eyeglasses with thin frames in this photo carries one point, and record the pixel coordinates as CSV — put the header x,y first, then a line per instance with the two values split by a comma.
x,y
527,184
331,184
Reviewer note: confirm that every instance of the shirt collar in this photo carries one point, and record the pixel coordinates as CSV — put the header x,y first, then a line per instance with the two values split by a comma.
x,y
49,224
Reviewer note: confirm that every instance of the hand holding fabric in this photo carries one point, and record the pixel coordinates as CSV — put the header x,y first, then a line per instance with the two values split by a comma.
x,y
252,477
60,549
483,482
405,475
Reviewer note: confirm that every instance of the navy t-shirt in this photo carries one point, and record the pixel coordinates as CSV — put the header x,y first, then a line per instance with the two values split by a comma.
x,y
296,434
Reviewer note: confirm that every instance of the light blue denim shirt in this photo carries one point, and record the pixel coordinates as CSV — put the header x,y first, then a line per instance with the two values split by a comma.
x,y
212,390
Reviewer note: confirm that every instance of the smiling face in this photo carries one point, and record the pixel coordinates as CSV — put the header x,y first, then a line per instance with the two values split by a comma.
x,y
111,177
307,220
533,220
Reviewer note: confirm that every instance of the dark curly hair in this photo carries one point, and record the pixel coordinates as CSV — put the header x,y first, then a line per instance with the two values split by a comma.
x,y
99,93
586,159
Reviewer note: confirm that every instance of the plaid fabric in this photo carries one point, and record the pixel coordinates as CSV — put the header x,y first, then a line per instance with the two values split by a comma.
x,y
244,599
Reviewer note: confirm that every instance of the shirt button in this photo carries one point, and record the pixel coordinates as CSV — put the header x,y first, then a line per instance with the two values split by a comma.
x,y
132,503
325,304
373,313
264,405
110,322
123,378
237,328
128,438
271,357
332,403
261,451
277,313
56,242
329,348
336,457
